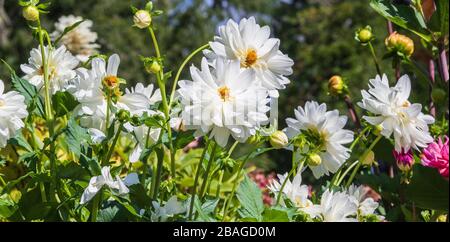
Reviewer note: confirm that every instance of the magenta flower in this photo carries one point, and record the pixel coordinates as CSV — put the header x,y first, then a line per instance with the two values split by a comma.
x,y
404,159
436,156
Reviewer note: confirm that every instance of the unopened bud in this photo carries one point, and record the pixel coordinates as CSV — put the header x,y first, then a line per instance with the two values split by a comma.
x,y
142,19
399,43
254,139
336,85
123,115
153,67
369,159
278,139
364,35
405,160
31,13
377,130
314,160
135,121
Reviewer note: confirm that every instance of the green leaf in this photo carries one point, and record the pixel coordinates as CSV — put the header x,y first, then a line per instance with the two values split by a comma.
x,y
63,103
250,197
19,140
428,189
76,135
205,210
107,214
404,16
275,215
183,138
67,30
32,98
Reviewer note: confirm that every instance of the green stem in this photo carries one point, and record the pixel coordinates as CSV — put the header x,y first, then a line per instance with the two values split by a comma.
x,y
95,204
346,172
108,110
177,76
375,59
48,108
197,175
232,149
363,157
208,167
352,146
113,145
159,167
294,168
219,184
165,105
236,181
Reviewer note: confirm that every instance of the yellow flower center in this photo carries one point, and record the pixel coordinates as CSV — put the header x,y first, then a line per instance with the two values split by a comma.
x,y
251,58
224,93
2,102
406,104
111,81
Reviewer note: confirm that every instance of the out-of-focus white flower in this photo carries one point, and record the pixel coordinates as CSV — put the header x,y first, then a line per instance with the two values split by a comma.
x,y
97,136
294,191
80,41
12,111
223,101
366,205
97,182
326,129
333,207
171,208
395,114
251,44
61,65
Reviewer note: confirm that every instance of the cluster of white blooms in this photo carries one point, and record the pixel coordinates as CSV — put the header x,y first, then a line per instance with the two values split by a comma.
x,y
80,41
395,114
230,94
12,111
350,205
325,130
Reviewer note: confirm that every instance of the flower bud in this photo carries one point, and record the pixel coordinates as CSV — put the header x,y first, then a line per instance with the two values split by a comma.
x,y
369,159
405,160
278,139
123,115
313,160
336,85
364,35
438,95
135,121
142,19
153,67
377,130
399,43
254,139
31,13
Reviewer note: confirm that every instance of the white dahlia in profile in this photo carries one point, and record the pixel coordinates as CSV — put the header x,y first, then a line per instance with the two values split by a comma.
x,y
326,135
366,205
333,207
61,65
251,45
391,110
12,111
80,41
294,191
222,102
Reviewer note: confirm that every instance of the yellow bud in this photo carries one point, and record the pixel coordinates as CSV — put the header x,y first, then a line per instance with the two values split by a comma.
x,y
254,139
378,129
15,195
142,19
31,13
442,218
336,85
369,159
364,35
154,67
314,160
399,43
278,139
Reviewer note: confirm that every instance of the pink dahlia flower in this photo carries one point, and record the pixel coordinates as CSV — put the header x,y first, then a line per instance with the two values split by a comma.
x,y
404,159
436,156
